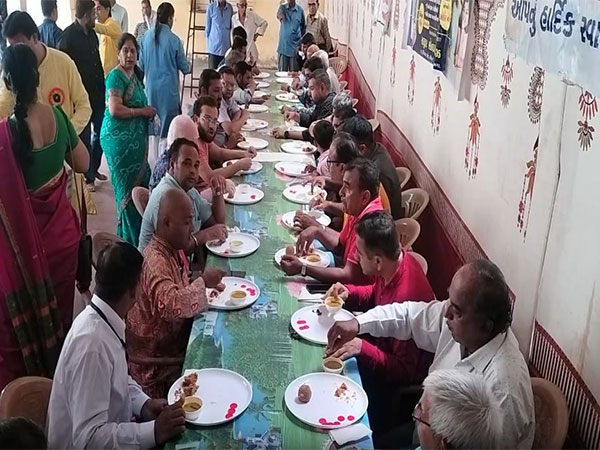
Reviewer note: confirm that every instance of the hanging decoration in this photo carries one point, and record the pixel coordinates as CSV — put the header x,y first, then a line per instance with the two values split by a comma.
x,y
588,106
507,76
535,93
472,148
534,107
484,12
436,107
396,25
411,80
527,191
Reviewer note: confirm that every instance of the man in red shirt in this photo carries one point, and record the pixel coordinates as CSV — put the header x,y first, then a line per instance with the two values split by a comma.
x,y
385,363
360,195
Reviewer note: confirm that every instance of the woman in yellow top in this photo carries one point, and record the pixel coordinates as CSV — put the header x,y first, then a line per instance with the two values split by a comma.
x,y
110,32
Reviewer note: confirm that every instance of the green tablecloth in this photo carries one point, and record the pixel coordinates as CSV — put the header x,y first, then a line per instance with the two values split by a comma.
x,y
256,342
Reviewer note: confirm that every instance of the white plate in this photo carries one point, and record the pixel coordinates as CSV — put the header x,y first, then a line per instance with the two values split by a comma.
x,y
259,94
288,218
254,168
292,169
298,128
219,390
257,108
249,245
255,124
284,80
224,300
313,326
324,262
325,410
245,195
291,98
301,194
262,84
283,74
257,143
297,148
262,75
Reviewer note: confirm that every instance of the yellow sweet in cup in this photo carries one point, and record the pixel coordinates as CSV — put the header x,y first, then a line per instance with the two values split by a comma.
x,y
192,407
236,246
333,365
238,295
333,304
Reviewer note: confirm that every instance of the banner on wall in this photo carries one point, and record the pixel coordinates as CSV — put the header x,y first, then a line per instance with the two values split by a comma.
x,y
428,30
561,36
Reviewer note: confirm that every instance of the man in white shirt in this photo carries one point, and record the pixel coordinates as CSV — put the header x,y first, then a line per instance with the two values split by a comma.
x,y
120,15
470,331
93,398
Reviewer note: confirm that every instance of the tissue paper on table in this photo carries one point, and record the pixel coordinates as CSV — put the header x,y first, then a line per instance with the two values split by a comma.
x,y
351,433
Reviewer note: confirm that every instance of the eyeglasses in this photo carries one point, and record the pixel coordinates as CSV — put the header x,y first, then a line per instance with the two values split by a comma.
x,y
418,418
209,120
333,161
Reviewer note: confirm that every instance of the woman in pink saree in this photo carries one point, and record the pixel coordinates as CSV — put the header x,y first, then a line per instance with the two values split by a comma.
x,y
39,230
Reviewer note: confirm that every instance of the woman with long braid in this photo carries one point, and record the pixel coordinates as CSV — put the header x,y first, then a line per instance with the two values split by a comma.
x,y
39,230
162,58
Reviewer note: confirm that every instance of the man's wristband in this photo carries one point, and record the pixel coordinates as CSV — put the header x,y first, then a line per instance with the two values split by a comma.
x,y
303,271
286,134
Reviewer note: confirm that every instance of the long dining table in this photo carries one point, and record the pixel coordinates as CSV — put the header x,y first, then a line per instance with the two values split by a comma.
x,y
258,342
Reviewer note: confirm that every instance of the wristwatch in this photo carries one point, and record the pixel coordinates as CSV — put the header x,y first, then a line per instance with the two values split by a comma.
x,y
303,271
286,134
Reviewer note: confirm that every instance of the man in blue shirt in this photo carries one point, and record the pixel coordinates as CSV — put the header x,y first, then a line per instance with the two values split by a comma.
x,y
293,26
218,30
49,32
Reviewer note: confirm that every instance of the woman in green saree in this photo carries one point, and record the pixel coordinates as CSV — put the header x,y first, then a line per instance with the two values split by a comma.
x,y
124,136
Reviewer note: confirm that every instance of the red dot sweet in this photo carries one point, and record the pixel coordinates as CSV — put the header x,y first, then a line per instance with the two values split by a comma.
x,y
243,286
253,196
301,322
304,327
350,417
335,423
233,405
228,416
341,418
322,421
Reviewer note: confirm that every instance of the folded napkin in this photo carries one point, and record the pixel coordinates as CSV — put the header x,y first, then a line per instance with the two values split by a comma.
x,y
306,296
281,156
351,433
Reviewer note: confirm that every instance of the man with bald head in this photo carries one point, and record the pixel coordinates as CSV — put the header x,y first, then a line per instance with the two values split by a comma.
x,y
159,324
470,331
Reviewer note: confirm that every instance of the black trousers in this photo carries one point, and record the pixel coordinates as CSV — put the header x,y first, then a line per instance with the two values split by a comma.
x,y
214,61
90,136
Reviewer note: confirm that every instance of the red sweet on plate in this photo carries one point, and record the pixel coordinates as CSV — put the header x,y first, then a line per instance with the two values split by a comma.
x,y
304,327
341,418
350,417
253,196
233,405
301,322
323,421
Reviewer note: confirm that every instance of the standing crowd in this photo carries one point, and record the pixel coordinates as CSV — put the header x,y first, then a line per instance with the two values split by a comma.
x,y
70,96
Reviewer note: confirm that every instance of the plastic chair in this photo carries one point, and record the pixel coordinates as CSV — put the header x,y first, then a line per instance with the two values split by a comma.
x,y
415,201
346,92
374,124
551,415
100,241
338,64
408,231
26,397
354,102
421,260
343,85
404,175
140,196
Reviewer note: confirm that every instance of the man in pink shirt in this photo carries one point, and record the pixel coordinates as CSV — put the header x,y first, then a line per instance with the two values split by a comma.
x,y
384,363
360,195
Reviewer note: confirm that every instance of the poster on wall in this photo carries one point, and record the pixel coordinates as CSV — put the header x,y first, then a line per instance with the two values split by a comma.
x,y
561,36
428,30
461,39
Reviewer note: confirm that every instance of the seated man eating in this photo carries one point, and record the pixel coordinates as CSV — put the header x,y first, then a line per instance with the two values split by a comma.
x,y
246,86
201,129
360,196
158,326
322,96
470,332
385,363
231,117
208,221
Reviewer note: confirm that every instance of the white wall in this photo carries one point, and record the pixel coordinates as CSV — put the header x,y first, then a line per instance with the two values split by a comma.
x,y
561,241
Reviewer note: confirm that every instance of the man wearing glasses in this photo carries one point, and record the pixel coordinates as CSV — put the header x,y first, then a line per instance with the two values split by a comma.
x,y
458,410
469,332
316,24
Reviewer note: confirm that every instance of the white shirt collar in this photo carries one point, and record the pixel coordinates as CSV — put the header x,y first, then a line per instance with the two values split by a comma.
x,y
114,319
481,358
